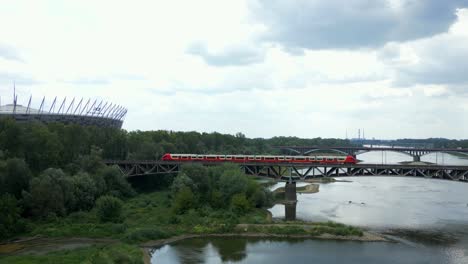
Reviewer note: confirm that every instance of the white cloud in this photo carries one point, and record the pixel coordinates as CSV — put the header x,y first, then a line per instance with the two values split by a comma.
x,y
140,55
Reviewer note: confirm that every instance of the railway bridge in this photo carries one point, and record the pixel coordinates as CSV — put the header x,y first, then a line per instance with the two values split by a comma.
x,y
301,171
415,153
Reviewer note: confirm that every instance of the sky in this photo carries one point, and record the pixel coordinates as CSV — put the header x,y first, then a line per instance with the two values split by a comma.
x,y
306,68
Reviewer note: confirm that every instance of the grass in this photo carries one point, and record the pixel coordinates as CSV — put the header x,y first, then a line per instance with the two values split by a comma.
x,y
116,253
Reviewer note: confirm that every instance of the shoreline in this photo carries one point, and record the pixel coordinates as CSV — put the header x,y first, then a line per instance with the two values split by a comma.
x,y
148,246
367,237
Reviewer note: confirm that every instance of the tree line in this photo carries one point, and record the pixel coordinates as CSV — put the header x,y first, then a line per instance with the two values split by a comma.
x,y
59,145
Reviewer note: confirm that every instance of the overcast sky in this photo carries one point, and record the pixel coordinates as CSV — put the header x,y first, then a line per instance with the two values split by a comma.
x,y
397,68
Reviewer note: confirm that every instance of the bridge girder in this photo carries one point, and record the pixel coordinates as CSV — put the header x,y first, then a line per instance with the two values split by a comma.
x,y
303,171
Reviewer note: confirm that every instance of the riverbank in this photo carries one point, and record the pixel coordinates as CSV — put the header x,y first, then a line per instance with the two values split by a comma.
x,y
310,188
366,237
148,217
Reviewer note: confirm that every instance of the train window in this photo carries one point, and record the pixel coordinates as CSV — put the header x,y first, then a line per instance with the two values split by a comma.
x,y
228,157
319,158
269,158
221,157
239,157
280,158
210,157
330,159
200,157
312,158
287,158
193,157
175,156
299,158
258,158
184,157
341,159
250,157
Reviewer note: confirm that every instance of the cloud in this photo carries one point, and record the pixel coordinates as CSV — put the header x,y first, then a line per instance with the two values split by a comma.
x,y
7,78
230,56
332,24
439,60
89,81
9,53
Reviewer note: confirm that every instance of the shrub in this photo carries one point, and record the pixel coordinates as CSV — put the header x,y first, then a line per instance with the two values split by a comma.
x,y
184,200
9,216
146,234
109,209
239,204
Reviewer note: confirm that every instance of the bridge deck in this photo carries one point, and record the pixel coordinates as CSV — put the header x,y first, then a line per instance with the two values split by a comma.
x,y
304,170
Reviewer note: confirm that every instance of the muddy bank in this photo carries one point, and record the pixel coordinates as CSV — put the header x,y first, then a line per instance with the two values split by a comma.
x,y
310,188
366,237
42,246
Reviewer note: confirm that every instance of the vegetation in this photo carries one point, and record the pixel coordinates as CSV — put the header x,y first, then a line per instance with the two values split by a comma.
x,y
53,183
109,209
298,228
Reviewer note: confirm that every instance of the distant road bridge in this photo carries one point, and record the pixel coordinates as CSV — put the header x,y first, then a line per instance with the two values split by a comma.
x,y
416,153
132,168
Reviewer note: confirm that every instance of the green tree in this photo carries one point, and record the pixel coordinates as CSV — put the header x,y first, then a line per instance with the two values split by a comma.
x,y
184,200
181,181
109,209
14,177
200,177
239,204
9,216
51,194
232,182
116,184
84,191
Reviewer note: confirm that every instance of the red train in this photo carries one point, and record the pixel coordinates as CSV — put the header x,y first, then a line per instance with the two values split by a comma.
x,y
260,158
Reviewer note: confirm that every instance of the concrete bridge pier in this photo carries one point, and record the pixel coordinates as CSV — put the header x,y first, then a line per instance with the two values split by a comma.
x,y
290,211
290,204
290,191
416,158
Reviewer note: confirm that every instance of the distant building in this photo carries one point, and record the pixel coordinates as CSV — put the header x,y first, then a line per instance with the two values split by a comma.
x,y
92,114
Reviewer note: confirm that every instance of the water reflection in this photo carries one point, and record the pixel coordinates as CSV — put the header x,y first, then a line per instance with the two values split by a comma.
x,y
201,250
239,250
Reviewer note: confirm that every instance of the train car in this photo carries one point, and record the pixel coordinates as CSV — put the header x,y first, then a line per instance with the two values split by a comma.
x,y
259,158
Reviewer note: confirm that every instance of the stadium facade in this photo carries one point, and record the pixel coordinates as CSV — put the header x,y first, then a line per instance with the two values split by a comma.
x,y
81,112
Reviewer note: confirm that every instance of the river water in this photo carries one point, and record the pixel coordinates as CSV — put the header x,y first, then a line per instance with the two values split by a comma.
x,y
427,218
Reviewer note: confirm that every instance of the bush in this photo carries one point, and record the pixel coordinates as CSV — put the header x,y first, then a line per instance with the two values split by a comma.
x,y
184,200
9,216
51,193
116,183
14,177
109,209
239,204
145,234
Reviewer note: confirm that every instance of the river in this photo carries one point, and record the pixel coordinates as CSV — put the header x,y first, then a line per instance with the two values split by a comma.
x,y
428,219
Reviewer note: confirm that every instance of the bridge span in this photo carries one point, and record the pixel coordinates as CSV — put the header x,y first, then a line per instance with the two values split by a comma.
x,y
416,153
132,168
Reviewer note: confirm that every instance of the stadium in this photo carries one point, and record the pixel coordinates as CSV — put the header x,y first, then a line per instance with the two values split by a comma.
x,y
81,112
